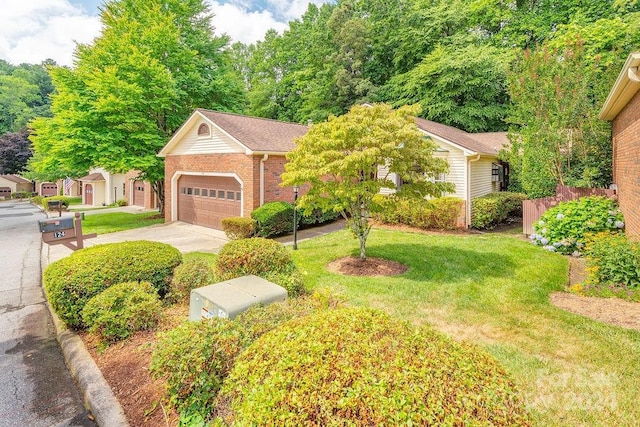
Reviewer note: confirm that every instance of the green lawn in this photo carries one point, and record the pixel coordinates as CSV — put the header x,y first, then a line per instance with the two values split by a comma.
x,y
118,221
492,290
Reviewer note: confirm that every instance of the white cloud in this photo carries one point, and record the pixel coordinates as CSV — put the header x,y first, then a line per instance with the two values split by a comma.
x,y
242,25
34,30
292,9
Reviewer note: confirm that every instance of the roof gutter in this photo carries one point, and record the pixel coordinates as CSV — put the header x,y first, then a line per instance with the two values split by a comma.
x,y
625,87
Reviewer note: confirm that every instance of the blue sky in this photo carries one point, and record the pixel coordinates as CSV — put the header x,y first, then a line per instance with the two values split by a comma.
x,y
34,30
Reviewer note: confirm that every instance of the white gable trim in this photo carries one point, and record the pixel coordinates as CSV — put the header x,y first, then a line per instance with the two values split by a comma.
x,y
439,139
182,132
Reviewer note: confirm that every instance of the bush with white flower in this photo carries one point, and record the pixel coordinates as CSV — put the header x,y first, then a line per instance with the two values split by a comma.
x,y
563,228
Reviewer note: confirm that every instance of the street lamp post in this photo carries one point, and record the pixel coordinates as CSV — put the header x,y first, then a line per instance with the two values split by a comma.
x,y
295,217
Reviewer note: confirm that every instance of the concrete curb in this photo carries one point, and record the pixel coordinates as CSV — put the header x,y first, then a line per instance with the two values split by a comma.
x,y
96,394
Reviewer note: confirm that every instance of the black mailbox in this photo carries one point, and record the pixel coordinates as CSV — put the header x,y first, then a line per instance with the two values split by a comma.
x,y
56,224
53,204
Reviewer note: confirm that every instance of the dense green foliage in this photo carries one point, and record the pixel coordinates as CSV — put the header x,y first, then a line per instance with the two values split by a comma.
x,y
341,160
121,310
237,227
273,219
317,217
153,63
360,367
557,137
441,213
495,208
196,357
450,56
24,94
613,266
563,228
191,274
72,281
261,257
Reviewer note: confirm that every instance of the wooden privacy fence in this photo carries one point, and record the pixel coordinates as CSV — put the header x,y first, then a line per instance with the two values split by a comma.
x,y
532,210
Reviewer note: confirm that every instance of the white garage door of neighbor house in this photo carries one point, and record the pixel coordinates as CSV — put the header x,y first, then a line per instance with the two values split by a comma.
x,y
206,200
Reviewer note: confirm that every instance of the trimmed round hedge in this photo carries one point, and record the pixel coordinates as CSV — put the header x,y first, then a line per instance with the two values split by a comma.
x,y
121,310
189,275
261,257
359,367
70,282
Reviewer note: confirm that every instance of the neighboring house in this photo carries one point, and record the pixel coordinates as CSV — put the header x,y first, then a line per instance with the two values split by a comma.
x,y
12,184
102,188
47,189
622,108
219,165
474,166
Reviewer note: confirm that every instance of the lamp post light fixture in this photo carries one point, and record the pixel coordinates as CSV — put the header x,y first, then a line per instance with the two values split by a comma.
x,y
295,217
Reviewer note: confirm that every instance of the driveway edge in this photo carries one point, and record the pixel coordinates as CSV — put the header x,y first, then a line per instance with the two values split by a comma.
x,y
97,396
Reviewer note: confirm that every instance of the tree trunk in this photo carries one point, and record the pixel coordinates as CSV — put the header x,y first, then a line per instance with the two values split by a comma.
x,y
158,189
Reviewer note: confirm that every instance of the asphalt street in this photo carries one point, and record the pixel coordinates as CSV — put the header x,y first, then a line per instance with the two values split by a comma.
x,y
36,388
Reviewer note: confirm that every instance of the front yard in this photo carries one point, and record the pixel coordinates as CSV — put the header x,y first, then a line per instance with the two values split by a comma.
x,y
491,290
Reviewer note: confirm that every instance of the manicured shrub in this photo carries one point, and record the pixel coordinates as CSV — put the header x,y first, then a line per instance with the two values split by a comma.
x,y
196,357
494,209
63,199
238,227
37,200
359,367
261,257
21,195
563,228
70,282
613,266
121,202
317,217
121,310
441,213
189,275
273,219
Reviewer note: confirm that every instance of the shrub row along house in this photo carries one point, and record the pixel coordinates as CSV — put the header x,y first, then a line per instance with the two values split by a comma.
x,y
219,165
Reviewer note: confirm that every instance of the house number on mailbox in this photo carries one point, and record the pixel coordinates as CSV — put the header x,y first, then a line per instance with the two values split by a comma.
x,y
58,234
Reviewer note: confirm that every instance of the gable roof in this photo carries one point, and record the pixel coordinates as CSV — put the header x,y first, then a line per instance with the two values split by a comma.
x,y
93,177
256,134
481,143
625,87
15,178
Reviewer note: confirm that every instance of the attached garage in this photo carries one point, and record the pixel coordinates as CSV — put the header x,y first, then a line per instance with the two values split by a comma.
x,y
48,189
206,200
5,193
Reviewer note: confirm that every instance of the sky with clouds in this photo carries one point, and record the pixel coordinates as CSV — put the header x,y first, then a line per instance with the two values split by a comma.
x,y
32,31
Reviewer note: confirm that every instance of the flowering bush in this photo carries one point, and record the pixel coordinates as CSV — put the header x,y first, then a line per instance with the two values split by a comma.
x,y
563,228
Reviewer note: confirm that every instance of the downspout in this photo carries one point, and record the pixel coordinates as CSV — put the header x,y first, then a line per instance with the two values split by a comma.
x,y
264,159
477,157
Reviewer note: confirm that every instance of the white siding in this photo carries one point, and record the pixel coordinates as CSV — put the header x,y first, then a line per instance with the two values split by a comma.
x,y
382,171
217,142
481,183
457,165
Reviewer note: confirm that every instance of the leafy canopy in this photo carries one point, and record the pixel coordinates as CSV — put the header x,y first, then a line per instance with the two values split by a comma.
x,y
154,62
348,159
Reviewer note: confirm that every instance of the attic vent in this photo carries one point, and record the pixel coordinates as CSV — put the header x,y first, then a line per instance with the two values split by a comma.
x,y
203,130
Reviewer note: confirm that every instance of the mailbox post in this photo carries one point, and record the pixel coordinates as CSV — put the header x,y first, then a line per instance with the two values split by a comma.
x,y
64,231
55,204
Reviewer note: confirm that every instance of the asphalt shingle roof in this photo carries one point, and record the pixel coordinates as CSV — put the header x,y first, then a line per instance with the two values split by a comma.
x,y
15,178
485,143
258,134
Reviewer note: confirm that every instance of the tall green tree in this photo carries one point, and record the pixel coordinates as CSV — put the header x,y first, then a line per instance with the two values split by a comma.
x,y
556,135
154,62
15,151
340,160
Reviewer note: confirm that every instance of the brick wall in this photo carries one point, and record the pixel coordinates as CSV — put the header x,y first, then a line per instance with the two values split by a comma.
x,y
626,163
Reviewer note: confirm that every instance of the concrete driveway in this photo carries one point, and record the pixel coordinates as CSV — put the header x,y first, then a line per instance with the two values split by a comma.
x,y
184,237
